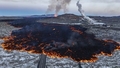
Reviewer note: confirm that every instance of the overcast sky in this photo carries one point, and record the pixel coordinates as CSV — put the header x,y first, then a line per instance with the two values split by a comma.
x,y
38,7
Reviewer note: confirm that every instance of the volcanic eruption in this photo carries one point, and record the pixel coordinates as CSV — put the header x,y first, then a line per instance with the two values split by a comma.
x,y
58,41
57,5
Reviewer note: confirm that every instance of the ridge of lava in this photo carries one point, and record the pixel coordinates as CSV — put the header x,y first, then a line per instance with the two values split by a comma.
x,y
59,41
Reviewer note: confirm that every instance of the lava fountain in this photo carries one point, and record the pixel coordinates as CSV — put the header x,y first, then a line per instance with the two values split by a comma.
x,y
59,41
55,15
58,5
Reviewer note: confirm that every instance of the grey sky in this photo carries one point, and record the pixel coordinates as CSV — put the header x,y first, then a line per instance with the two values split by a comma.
x,y
90,7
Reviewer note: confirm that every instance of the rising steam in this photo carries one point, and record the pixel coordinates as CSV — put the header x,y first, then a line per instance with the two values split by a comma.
x,y
91,21
57,5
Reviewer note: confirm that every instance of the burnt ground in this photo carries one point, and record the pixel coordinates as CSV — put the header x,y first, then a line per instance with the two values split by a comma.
x,y
17,59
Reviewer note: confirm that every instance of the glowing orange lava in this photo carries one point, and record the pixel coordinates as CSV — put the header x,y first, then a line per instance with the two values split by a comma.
x,y
59,41
55,15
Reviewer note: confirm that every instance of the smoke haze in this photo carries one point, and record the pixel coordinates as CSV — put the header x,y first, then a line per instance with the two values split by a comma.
x,y
57,5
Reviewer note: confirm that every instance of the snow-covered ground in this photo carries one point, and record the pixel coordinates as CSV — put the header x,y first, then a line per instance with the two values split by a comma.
x,y
16,59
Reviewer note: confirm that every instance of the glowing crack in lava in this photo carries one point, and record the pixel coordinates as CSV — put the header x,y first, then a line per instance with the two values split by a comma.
x,y
59,41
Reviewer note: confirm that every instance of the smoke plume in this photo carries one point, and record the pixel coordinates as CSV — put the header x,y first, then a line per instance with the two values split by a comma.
x,y
57,5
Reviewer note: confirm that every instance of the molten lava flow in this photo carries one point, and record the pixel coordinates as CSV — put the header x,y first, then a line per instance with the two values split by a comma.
x,y
59,41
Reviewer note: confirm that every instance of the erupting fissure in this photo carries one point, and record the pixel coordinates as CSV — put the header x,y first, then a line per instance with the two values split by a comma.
x,y
57,5
61,41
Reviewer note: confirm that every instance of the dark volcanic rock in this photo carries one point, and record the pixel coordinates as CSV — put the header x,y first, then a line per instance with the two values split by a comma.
x,y
59,41
24,60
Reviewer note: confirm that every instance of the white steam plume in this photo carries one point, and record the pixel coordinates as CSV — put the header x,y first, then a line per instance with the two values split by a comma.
x,y
57,5
91,21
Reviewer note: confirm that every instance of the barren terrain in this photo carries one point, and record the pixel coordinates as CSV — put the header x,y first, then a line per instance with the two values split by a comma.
x,y
16,59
